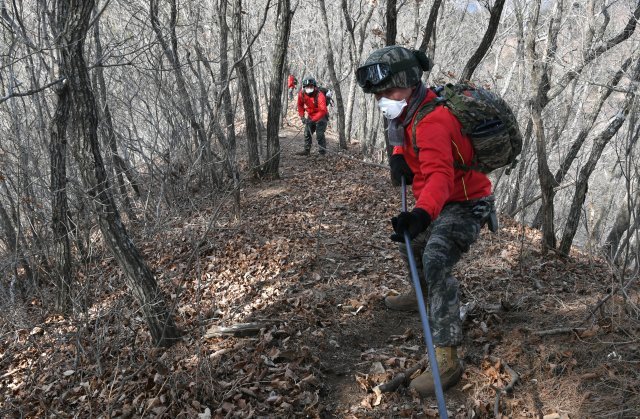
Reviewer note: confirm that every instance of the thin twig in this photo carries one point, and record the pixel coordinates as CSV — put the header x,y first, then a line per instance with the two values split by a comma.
x,y
508,388
605,299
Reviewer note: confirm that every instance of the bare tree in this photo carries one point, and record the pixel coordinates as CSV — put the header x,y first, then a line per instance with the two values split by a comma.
x,y
225,98
596,151
170,49
284,16
355,55
485,44
390,39
332,74
245,90
72,23
430,27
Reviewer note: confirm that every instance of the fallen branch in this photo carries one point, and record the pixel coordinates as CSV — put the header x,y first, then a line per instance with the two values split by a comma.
x,y
238,330
507,389
558,331
400,379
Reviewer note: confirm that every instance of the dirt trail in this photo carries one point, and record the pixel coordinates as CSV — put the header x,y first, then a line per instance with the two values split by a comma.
x,y
356,265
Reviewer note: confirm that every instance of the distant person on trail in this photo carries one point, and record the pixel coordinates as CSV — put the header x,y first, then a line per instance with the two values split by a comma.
x,y
452,204
292,83
312,101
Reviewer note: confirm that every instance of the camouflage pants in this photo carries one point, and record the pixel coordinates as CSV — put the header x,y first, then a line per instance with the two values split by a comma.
x,y
319,128
441,246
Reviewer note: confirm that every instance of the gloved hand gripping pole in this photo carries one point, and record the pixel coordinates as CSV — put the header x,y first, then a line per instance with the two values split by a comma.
x,y
442,408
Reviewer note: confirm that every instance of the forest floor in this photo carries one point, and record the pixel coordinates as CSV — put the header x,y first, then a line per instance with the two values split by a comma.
x,y
309,261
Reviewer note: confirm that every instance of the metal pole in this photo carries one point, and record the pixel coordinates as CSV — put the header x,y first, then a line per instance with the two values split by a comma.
x,y
442,408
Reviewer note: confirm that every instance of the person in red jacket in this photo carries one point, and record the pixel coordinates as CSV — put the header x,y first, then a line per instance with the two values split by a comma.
x,y
451,204
292,83
314,103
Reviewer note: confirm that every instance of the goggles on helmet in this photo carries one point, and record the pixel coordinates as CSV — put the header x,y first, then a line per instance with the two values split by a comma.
x,y
377,73
308,82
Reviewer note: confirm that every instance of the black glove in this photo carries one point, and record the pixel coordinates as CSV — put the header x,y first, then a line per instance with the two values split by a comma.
x,y
414,222
305,121
400,168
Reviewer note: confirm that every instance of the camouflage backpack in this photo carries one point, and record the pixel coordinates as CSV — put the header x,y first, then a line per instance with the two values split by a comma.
x,y
486,118
328,97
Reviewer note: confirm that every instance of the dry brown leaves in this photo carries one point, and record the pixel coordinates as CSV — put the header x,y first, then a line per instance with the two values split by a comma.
x,y
310,258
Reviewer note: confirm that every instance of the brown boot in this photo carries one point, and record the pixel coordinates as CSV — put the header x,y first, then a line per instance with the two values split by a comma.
x,y
450,369
303,153
402,302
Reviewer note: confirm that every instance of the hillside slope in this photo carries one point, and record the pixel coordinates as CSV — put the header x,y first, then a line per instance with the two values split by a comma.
x,y
308,262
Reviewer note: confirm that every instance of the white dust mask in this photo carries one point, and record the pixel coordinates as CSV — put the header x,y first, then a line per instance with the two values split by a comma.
x,y
309,90
390,108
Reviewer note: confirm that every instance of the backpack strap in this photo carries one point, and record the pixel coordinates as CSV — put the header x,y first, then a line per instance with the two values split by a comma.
x,y
423,111
315,97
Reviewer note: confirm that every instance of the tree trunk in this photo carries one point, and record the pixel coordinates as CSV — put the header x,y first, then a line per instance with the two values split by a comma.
x,y
59,203
108,132
390,39
356,57
430,28
334,78
72,21
13,245
255,92
620,227
545,177
392,22
485,44
272,163
226,103
245,91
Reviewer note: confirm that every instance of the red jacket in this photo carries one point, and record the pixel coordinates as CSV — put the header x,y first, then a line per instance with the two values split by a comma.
x,y
316,107
440,142
291,81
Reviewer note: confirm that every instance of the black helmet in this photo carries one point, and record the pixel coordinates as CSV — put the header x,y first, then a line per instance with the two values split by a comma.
x,y
309,81
392,66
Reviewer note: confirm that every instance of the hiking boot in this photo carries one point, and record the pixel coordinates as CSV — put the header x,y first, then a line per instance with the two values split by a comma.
x,y
303,153
450,369
402,302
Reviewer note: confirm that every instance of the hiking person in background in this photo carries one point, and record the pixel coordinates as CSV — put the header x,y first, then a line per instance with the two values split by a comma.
x,y
292,83
312,101
451,204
